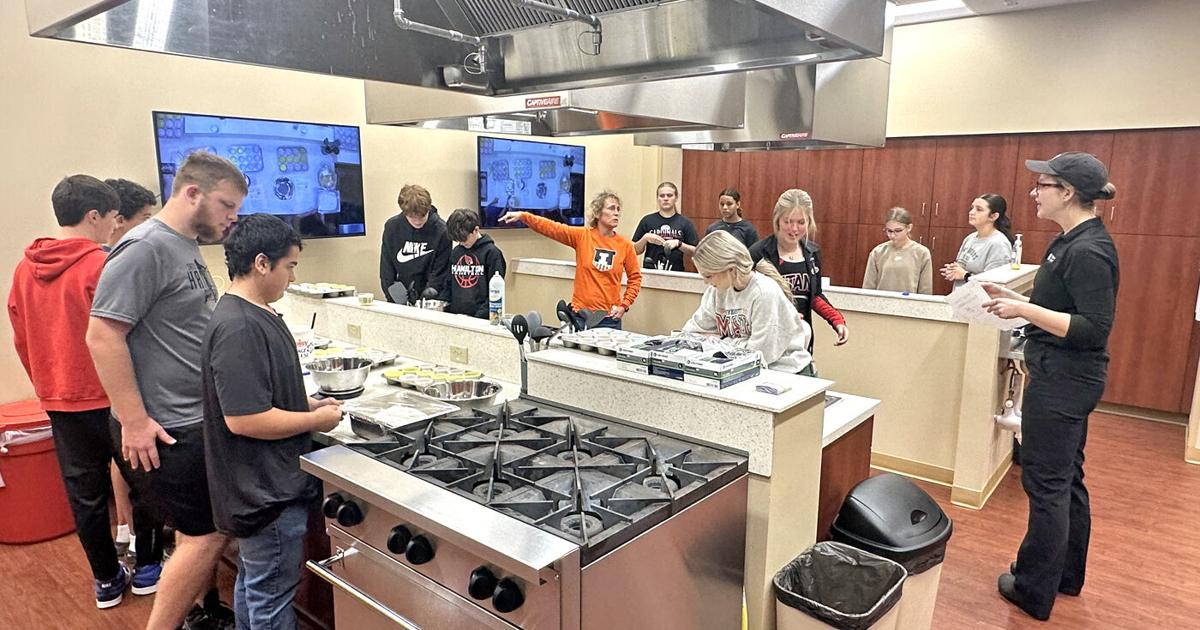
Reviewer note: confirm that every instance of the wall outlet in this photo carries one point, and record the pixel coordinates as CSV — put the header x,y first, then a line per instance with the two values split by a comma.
x,y
354,331
458,354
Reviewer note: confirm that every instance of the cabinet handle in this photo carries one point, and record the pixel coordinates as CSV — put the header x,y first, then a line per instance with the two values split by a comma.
x,y
936,204
934,243
922,208
1112,212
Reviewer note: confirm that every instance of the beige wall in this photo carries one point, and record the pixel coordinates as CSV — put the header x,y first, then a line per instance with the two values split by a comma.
x,y
1110,64
70,108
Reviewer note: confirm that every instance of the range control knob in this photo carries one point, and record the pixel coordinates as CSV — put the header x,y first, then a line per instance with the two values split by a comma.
x,y
397,541
508,596
349,514
419,550
331,504
482,584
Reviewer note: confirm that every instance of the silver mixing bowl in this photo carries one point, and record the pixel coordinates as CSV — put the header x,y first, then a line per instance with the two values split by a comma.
x,y
340,374
473,393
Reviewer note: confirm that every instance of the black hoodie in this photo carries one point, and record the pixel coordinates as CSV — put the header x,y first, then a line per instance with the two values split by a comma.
x,y
471,269
415,258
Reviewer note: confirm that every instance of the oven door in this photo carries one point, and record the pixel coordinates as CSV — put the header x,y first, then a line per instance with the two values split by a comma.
x,y
372,590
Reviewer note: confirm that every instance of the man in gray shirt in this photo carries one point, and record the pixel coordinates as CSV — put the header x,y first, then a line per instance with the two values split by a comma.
x,y
152,306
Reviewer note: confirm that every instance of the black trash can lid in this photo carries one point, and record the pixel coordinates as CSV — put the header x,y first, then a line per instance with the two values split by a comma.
x,y
889,515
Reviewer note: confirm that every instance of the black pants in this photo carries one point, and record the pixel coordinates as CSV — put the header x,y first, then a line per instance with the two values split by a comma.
x,y
84,445
147,520
1063,390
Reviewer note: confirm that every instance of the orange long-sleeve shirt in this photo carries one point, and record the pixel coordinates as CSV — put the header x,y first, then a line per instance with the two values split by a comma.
x,y
599,264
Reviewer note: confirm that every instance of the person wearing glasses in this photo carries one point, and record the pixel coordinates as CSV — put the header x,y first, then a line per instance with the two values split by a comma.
x,y
899,263
1070,313
990,246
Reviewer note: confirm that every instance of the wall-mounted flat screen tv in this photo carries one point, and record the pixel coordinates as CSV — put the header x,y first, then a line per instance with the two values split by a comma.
x,y
309,175
539,177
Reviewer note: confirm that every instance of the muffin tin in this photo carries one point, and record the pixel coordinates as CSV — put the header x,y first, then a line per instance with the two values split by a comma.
x,y
321,289
602,340
418,376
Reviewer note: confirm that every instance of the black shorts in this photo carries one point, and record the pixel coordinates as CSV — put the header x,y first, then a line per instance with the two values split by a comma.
x,y
178,488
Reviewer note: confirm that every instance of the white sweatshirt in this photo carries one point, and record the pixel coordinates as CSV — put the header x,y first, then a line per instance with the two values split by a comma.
x,y
759,317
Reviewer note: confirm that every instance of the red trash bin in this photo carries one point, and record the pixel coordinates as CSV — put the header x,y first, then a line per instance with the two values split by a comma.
x,y
33,499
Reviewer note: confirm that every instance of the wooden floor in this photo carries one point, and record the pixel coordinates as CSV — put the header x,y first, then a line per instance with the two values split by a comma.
x,y
1144,568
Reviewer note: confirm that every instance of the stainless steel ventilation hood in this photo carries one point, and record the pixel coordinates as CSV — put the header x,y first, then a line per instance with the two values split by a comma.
x,y
830,105
675,104
497,47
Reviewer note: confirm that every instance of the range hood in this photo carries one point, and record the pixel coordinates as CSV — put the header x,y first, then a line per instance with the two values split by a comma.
x,y
825,106
674,104
495,47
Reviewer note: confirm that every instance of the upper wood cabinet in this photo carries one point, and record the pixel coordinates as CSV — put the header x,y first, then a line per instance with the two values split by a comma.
x,y
705,174
1043,146
765,174
1153,173
967,167
839,253
833,178
899,174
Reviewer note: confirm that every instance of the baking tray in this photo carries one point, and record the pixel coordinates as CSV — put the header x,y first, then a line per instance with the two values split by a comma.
x,y
397,408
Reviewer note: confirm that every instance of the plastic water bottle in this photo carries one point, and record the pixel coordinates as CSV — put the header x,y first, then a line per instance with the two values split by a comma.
x,y
495,298
1015,258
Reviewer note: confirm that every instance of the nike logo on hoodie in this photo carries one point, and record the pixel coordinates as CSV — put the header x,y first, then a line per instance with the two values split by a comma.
x,y
411,251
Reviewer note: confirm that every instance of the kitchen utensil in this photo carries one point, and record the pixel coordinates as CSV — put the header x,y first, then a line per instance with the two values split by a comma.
x,y
564,315
398,293
534,319
593,318
541,335
473,393
340,374
520,329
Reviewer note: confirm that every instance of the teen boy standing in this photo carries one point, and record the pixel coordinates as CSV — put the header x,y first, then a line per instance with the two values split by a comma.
x,y
257,423
473,262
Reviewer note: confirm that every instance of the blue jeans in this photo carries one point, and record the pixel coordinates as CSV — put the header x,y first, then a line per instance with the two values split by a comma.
x,y
607,322
269,571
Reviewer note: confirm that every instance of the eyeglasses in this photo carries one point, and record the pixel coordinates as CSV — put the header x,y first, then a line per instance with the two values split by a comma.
x,y
1040,185
894,230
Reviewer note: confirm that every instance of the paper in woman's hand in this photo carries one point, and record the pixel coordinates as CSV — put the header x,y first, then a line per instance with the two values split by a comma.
x,y
967,303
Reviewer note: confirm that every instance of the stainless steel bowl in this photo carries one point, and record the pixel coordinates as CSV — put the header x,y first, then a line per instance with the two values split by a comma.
x,y
340,374
474,393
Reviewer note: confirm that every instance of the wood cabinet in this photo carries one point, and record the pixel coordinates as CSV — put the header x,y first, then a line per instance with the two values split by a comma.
x,y
834,180
1153,172
1155,309
764,175
966,168
705,174
899,174
1043,146
1154,341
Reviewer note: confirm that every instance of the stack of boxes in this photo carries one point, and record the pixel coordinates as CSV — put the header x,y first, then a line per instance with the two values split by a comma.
x,y
695,360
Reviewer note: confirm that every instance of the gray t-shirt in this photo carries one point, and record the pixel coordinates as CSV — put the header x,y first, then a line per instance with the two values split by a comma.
x,y
156,281
978,255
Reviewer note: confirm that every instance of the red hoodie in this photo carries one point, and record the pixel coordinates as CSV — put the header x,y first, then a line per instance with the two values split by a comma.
x,y
48,306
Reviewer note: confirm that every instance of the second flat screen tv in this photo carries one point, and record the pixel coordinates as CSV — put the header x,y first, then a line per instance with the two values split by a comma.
x,y
543,178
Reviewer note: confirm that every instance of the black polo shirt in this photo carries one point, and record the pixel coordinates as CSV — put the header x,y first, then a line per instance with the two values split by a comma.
x,y
1079,275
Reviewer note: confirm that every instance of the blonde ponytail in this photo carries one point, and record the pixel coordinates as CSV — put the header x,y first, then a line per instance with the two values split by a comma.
x,y
767,269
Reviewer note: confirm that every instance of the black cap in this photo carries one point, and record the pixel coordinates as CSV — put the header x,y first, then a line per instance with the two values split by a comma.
x,y
1081,170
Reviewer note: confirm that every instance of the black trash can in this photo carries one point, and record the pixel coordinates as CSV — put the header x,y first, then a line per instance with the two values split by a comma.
x,y
890,516
839,586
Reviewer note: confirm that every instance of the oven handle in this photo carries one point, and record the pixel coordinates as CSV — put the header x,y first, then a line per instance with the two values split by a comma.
x,y
322,570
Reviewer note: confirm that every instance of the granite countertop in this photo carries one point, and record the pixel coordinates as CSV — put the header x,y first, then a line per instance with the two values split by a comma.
x,y
846,414
743,394
452,320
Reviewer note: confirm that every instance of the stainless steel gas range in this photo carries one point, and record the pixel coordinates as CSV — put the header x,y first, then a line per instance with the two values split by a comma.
x,y
531,515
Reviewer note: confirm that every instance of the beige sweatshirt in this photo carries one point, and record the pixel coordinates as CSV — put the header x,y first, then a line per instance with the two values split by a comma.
x,y
890,269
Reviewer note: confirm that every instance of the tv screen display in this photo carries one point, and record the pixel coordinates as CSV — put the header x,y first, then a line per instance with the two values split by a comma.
x,y
539,177
309,175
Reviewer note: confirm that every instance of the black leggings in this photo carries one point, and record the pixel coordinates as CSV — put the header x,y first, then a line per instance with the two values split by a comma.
x,y
84,447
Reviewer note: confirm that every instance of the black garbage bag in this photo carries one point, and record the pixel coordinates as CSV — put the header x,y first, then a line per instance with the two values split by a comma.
x,y
844,587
